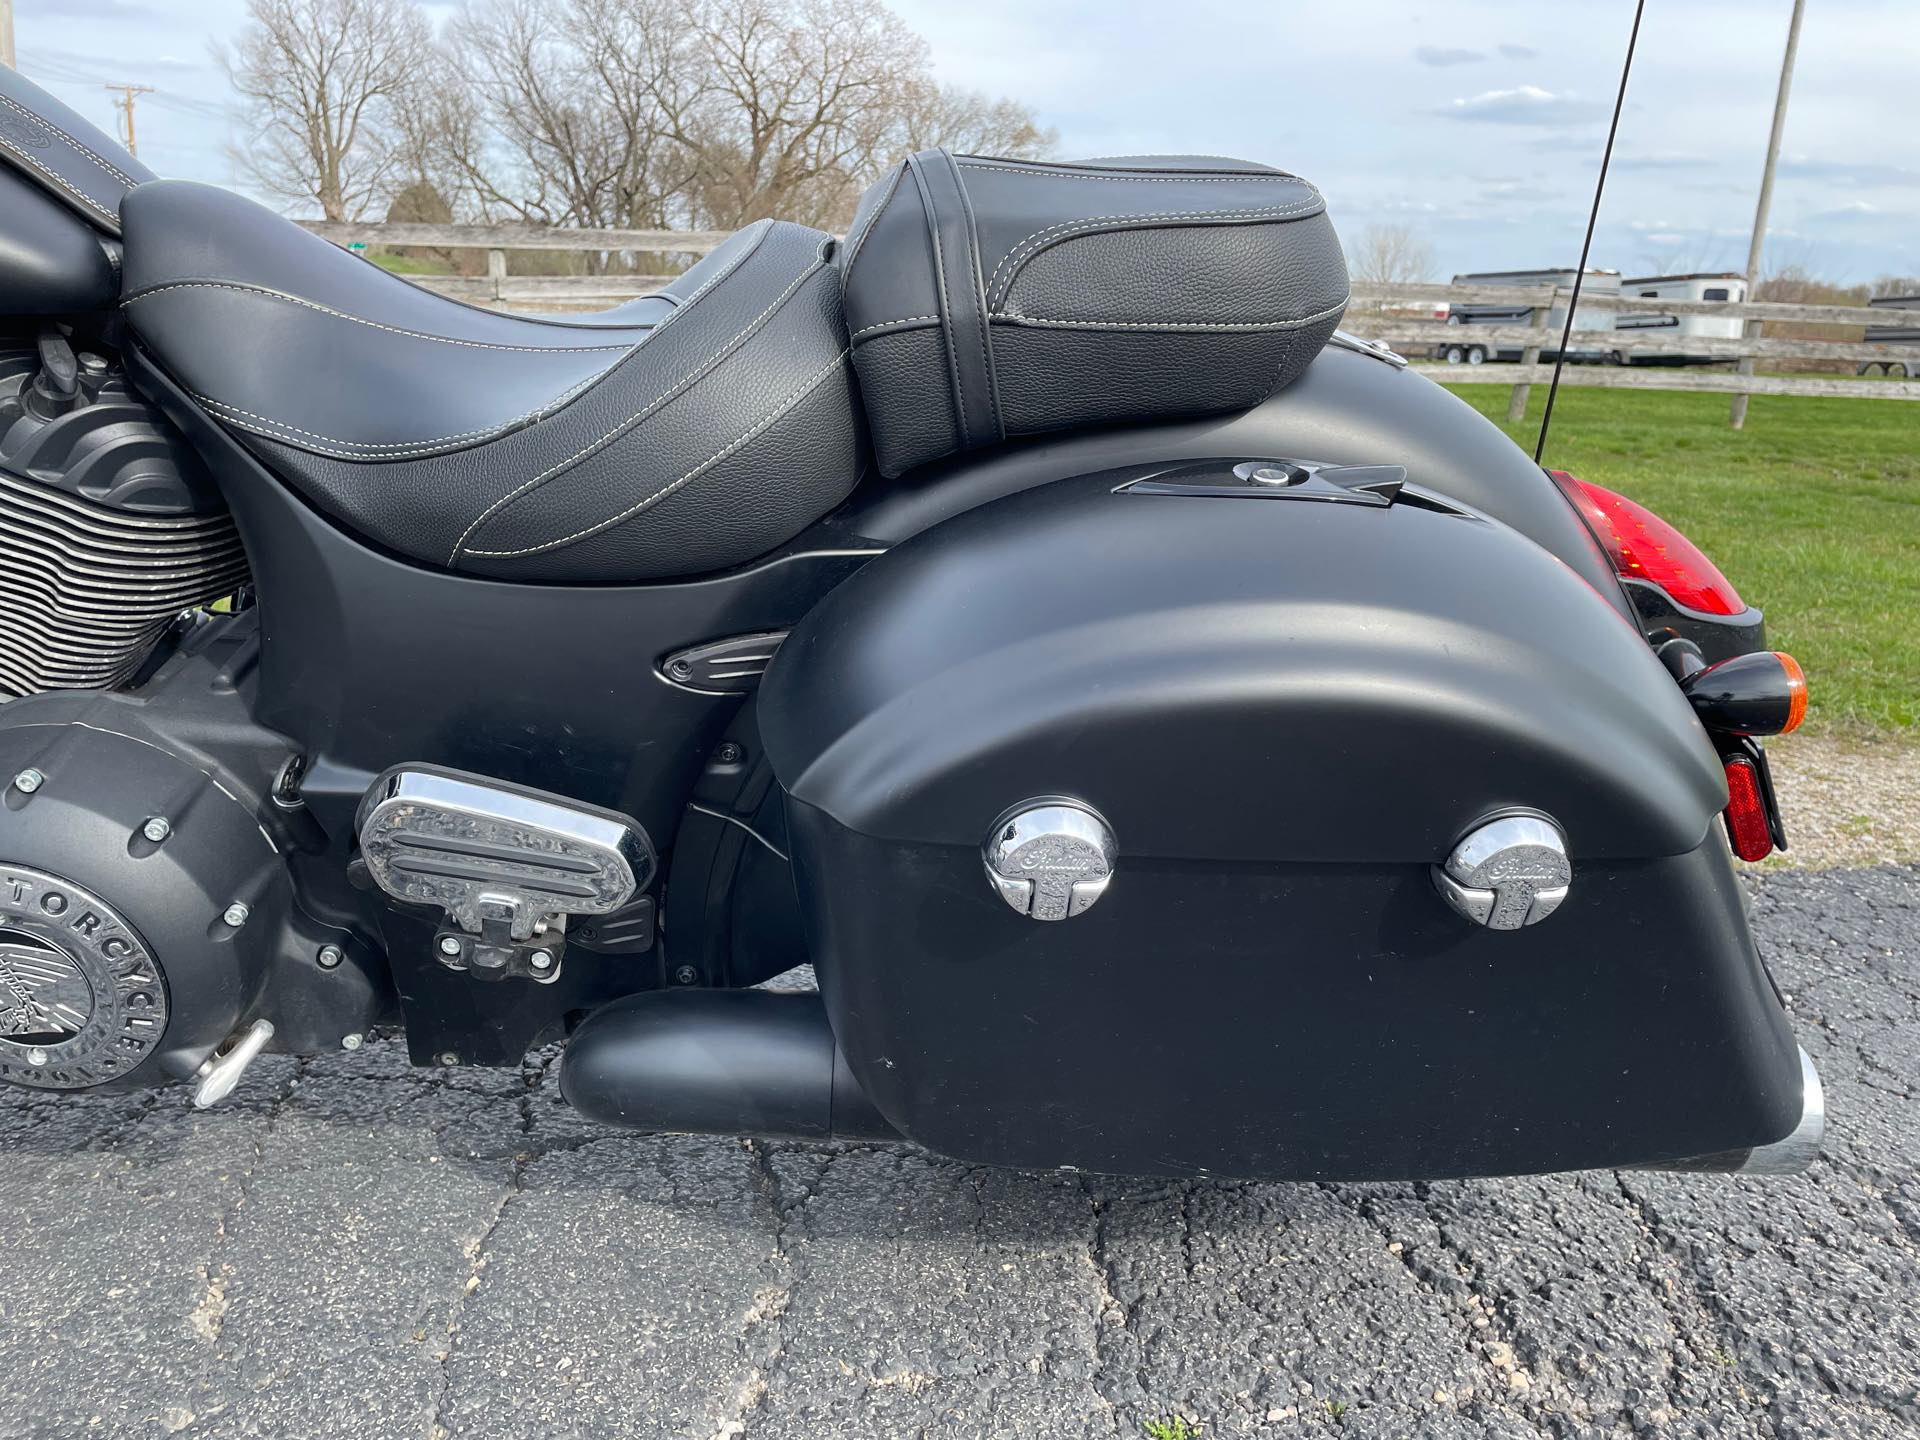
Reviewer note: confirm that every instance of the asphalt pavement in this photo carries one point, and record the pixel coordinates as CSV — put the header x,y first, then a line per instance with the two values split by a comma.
x,y
349,1247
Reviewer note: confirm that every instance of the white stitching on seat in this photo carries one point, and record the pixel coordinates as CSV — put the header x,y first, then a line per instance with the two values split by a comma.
x,y
1016,318
887,324
375,324
394,450
114,170
1204,178
714,459
61,180
1048,236
670,393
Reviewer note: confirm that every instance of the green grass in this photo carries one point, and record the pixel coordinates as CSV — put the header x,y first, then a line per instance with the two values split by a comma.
x,y
1813,511
1174,1427
410,264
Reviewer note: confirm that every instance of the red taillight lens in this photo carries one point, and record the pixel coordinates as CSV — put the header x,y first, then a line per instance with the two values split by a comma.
x,y
1645,547
1748,830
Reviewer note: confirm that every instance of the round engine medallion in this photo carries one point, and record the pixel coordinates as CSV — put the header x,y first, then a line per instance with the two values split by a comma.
x,y
82,999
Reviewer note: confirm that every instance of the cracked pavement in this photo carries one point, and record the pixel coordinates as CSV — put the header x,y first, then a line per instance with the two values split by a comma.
x,y
350,1247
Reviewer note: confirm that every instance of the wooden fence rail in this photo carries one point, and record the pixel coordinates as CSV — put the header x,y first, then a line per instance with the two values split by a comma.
x,y
1388,313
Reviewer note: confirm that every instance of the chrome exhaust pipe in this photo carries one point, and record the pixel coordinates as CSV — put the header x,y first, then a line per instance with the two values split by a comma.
x,y
1787,1156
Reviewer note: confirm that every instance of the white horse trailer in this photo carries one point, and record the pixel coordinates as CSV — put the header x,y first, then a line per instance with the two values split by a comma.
x,y
1722,287
1592,322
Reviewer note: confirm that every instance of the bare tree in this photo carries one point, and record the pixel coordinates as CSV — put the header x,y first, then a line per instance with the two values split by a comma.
x,y
799,98
616,113
970,123
320,78
1886,286
648,113
567,113
1389,255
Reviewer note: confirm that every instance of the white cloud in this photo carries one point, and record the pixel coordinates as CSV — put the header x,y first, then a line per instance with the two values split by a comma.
x,y
1523,105
1447,55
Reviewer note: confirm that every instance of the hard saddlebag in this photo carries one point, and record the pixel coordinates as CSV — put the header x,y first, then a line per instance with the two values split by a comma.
x,y
1275,822
995,298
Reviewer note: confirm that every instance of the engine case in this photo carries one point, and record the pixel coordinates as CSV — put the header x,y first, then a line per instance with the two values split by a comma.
x,y
1290,709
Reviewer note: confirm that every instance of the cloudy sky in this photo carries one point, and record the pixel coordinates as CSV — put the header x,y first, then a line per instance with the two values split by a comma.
x,y
1478,121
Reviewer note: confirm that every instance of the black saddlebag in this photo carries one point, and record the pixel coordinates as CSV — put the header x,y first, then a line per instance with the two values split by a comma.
x,y
993,298
1286,705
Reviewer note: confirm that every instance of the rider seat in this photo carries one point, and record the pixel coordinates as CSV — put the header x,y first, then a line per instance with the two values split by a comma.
x,y
684,433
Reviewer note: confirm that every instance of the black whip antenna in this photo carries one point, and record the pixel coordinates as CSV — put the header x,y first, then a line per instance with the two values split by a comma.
x,y
1599,188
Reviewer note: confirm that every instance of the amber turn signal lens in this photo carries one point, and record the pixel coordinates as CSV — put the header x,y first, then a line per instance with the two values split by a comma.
x,y
1763,693
1796,691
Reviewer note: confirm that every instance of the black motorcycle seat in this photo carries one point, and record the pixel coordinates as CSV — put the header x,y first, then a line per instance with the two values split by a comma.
x,y
681,433
992,298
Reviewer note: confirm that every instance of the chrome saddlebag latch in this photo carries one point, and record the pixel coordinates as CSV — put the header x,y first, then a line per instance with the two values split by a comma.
x,y
508,865
1508,872
1051,859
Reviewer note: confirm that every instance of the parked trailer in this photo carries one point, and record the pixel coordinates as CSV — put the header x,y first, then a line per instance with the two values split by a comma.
x,y
1591,322
1888,335
1718,286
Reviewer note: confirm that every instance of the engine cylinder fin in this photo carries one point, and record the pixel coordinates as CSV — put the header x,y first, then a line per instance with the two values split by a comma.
x,y
86,589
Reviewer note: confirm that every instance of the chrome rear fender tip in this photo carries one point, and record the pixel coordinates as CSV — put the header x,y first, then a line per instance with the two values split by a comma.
x,y
1791,1155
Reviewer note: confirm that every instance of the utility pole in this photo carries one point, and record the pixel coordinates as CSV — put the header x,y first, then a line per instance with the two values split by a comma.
x,y
1739,413
6,35
123,102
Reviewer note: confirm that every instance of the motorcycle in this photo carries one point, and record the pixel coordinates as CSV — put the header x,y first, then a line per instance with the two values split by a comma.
x,y
1182,739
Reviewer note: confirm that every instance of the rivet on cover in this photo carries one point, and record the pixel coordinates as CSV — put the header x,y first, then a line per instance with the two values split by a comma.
x,y
994,298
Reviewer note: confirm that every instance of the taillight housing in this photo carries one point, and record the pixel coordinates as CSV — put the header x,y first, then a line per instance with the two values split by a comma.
x,y
1764,693
1642,546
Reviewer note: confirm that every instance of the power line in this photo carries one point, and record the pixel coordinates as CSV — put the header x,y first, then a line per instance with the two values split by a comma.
x,y
123,102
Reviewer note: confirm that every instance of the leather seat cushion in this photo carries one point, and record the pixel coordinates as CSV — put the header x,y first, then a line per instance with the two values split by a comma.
x,y
682,434
993,298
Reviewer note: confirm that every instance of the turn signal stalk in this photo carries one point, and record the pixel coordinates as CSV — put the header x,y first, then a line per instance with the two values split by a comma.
x,y
1763,693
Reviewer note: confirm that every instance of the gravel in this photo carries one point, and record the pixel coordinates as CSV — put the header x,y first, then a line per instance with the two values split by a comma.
x,y
350,1247
1847,801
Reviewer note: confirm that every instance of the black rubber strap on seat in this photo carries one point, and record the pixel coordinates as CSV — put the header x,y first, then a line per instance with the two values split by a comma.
x,y
962,297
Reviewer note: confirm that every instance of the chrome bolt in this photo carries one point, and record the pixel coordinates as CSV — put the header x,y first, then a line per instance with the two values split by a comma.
x,y
352,1042
729,754
449,945
36,1056
329,958
680,670
236,914
447,1057
541,960
686,975
28,781
156,829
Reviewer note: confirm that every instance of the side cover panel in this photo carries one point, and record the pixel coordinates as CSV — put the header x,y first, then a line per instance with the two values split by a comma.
x,y
51,262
